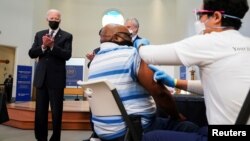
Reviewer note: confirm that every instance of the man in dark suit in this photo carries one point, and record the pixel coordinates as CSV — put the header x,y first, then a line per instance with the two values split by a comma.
x,y
133,25
8,83
51,48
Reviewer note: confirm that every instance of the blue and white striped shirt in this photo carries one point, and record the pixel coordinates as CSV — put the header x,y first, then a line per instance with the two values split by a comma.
x,y
120,65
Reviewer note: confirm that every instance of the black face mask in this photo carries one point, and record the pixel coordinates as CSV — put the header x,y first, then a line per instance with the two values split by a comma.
x,y
54,24
126,38
128,43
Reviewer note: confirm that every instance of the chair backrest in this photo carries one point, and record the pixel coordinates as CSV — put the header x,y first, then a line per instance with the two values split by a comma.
x,y
104,100
244,113
100,97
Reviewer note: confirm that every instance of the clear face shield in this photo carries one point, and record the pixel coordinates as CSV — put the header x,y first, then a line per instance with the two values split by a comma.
x,y
200,27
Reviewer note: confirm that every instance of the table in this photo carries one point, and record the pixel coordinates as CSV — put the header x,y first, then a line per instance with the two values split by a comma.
x,y
192,107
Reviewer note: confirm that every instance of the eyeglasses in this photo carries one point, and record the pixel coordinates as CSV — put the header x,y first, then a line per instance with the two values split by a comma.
x,y
201,12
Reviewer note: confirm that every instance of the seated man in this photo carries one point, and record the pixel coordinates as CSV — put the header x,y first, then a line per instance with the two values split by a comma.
x,y
120,63
137,41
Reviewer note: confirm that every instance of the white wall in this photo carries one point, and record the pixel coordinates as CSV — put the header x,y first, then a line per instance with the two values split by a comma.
x,y
162,21
16,26
6,53
16,29
83,19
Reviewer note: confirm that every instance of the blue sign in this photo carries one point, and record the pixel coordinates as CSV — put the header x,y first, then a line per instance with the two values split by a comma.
x,y
183,73
74,73
23,83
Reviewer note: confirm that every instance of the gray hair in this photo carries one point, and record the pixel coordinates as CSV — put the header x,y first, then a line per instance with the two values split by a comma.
x,y
134,20
53,11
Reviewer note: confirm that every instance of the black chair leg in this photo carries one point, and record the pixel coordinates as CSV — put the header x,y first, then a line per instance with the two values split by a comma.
x,y
77,99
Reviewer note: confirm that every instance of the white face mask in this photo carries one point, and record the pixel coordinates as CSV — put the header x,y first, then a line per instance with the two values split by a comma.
x,y
130,31
199,27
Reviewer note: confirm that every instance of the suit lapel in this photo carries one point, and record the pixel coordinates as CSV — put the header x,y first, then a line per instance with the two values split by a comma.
x,y
58,34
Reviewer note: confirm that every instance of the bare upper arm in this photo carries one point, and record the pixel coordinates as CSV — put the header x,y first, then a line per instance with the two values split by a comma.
x,y
145,77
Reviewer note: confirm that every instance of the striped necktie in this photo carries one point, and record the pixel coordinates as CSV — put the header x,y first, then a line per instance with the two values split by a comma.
x,y
51,33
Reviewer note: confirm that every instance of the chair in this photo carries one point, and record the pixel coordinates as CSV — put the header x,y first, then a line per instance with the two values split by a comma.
x,y
244,112
104,100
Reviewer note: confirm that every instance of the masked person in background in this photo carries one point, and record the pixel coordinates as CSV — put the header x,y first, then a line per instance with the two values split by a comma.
x,y
52,47
133,26
222,55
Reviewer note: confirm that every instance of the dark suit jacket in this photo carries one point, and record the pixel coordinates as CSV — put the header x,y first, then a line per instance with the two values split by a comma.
x,y
51,63
136,38
95,51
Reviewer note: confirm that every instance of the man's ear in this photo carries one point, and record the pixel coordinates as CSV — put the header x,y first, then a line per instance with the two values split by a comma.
x,y
217,18
116,39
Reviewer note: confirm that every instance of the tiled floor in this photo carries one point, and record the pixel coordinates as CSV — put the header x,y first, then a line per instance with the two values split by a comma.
x,y
13,134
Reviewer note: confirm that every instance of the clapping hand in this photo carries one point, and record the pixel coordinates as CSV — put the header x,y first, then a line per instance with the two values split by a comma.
x,y
48,41
90,56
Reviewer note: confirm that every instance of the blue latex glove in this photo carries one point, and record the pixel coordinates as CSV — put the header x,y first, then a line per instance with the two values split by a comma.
x,y
141,42
162,77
